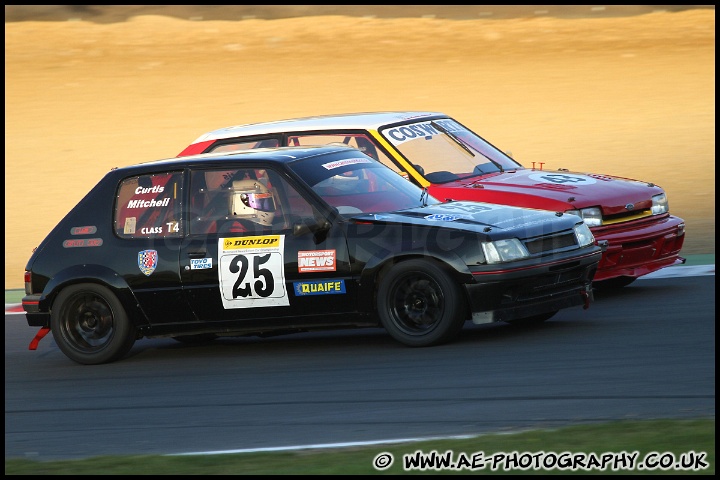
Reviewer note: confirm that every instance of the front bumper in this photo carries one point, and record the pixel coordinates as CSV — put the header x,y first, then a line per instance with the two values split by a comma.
x,y
640,247
513,294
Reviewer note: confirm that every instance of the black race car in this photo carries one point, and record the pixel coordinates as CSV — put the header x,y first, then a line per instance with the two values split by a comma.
x,y
272,241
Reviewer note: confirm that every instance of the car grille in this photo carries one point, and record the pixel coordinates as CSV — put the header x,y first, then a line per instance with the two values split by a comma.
x,y
550,243
626,217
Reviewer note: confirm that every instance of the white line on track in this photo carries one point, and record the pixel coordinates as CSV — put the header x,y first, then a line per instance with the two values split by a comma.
x,y
681,271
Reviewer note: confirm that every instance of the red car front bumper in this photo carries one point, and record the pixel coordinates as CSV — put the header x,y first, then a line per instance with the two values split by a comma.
x,y
640,247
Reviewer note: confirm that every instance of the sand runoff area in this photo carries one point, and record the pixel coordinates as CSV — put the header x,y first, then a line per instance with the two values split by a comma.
x,y
628,96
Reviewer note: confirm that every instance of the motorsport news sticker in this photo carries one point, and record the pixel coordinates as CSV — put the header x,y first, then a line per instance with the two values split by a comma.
x,y
319,287
200,263
251,271
562,179
342,163
147,261
316,261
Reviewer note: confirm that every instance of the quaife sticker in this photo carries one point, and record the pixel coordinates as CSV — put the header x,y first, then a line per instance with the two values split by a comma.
x,y
251,271
200,263
319,287
316,261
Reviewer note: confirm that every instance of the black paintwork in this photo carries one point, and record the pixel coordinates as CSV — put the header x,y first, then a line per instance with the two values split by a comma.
x,y
176,300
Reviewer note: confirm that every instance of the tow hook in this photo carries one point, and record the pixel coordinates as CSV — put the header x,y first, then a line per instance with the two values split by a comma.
x,y
586,298
34,344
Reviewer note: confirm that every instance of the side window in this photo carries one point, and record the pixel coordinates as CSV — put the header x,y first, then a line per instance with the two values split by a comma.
x,y
149,206
297,208
356,140
243,200
238,146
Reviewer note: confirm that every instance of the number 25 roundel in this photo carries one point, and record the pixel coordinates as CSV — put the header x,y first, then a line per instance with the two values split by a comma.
x,y
251,271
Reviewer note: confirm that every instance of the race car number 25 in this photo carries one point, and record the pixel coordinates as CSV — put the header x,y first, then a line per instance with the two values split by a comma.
x,y
251,271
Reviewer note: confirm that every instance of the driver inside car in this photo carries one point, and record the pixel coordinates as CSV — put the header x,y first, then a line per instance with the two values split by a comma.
x,y
251,207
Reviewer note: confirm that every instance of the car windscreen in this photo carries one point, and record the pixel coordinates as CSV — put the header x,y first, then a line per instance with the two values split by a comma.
x,y
359,184
444,150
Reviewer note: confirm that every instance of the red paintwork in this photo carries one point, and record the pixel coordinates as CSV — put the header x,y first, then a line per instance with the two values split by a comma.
x,y
635,246
196,148
516,187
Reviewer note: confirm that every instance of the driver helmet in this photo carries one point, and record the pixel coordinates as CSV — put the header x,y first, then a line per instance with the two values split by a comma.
x,y
251,200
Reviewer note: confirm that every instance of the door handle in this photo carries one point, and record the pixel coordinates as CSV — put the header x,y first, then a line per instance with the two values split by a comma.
x,y
198,253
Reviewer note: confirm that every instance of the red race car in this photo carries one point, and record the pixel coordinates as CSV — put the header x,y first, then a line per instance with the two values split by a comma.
x,y
440,154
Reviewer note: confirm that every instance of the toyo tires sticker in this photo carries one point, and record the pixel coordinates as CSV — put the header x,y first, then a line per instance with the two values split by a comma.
x,y
251,271
562,179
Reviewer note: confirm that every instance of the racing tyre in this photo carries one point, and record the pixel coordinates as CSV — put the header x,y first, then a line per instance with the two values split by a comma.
x,y
90,325
420,305
614,283
533,320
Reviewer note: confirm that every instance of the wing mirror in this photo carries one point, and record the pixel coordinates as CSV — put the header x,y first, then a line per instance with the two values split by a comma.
x,y
308,226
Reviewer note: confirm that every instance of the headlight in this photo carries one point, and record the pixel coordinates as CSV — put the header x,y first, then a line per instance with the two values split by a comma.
x,y
592,216
504,250
584,235
660,204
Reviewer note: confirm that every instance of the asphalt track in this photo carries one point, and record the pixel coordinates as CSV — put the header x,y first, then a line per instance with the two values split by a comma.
x,y
646,351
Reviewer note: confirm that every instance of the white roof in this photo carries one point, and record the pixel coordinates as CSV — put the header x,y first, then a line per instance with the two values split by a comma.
x,y
363,120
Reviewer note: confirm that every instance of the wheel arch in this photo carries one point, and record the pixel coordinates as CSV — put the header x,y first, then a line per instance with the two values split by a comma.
x,y
99,275
377,268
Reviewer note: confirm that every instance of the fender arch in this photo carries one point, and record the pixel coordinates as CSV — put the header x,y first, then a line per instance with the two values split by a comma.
x,y
94,274
376,266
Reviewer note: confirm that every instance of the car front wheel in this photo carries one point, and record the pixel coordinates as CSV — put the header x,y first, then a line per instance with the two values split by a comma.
x,y
90,325
419,304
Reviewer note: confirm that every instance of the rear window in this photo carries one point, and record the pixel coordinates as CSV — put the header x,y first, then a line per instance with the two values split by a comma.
x,y
149,206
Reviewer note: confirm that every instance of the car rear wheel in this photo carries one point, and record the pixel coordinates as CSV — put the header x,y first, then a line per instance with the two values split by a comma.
x,y
420,305
533,320
90,325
